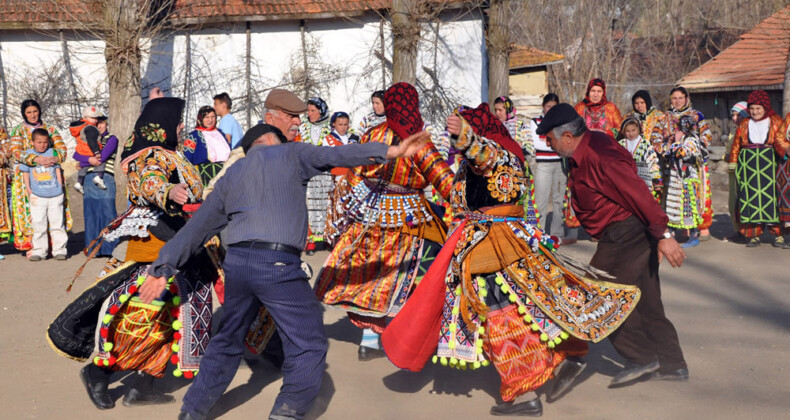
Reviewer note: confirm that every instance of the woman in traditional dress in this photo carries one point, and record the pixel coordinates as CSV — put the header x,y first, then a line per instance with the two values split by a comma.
x,y
598,113
683,156
21,141
6,167
738,113
207,146
315,130
647,115
498,292
645,157
388,232
132,335
377,116
518,129
758,145
783,179
681,107
98,205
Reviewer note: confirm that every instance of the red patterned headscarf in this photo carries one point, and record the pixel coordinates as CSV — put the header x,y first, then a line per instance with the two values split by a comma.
x,y
595,82
487,125
402,108
760,97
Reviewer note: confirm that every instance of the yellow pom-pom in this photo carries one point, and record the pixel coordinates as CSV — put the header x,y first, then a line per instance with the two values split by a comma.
x,y
140,280
551,344
453,327
534,327
504,289
522,310
486,363
443,361
481,330
476,365
171,279
107,318
479,350
177,373
479,343
176,300
483,293
453,361
499,280
482,318
123,298
462,363
175,347
481,282
458,290
107,346
435,359
564,335
176,325
106,362
512,298
528,318
544,337
455,310
96,360
557,340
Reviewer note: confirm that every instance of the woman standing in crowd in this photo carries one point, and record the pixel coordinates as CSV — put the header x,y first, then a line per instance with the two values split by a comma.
x,y
315,131
758,143
6,160
647,115
683,155
206,146
597,111
21,140
681,107
98,205
738,113
518,129
377,116
645,157
134,336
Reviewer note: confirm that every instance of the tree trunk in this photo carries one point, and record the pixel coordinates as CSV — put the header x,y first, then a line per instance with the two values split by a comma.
x,y
123,54
786,98
498,46
406,35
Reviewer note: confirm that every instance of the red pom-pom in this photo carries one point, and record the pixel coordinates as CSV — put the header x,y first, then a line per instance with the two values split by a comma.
x,y
132,289
111,360
113,310
174,312
174,359
176,335
103,332
555,239
188,374
173,288
310,247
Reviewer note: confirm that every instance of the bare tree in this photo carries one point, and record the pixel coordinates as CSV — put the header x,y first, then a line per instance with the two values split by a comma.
x,y
498,42
406,34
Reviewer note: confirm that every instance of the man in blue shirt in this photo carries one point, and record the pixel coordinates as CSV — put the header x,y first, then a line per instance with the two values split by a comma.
x,y
227,123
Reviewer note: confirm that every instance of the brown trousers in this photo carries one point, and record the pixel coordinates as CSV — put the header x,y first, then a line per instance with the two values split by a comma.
x,y
628,252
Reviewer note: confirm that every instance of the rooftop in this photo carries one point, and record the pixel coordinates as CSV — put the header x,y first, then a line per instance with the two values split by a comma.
x,y
525,57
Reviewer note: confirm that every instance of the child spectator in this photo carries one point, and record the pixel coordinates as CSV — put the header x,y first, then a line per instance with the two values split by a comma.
x,y
645,157
340,133
88,145
227,123
45,194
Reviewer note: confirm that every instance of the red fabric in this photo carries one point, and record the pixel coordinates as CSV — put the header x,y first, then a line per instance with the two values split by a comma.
x,y
402,107
605,188
487,125
411,338
595,82
760,97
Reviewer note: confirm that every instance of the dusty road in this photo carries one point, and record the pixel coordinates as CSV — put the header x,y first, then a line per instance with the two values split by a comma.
x,y
729,304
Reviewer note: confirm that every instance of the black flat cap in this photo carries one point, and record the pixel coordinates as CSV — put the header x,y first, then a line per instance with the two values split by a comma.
x,y
256,132
558,115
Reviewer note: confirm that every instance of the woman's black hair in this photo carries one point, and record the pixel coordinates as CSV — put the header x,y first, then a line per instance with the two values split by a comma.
x,y
551,97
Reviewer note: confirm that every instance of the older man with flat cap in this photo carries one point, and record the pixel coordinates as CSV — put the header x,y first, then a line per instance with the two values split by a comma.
x,y
616,208
261,200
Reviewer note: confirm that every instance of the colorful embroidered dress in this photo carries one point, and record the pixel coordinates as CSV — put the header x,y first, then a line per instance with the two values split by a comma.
x,y
370,121
682,203
134,335
20,206
498,291
783,175
386,231
6,169
646,159
602,115
651,123
207,150
319,187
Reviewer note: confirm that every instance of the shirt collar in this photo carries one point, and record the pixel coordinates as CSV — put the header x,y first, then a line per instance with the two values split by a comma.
x,y
582,149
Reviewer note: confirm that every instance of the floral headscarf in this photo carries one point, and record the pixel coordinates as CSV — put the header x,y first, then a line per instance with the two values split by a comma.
x,y
402,108
510,109
323,108
157,126
487,125
595,82
760,97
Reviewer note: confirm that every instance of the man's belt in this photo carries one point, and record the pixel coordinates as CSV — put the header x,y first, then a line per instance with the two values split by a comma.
x,y
268,245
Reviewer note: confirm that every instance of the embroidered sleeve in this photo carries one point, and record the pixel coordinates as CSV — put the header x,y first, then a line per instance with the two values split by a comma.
x,y
524,135
688,147
484,155
434,167
17,146
58,144
741,138
616,118
5,148
705,135
148,181
657,135
651,158
782,140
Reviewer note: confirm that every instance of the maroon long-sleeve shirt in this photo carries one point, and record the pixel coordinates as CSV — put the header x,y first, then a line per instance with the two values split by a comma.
x,y
606,189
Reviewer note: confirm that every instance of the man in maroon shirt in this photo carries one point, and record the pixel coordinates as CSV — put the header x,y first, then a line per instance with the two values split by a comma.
x,y
615,206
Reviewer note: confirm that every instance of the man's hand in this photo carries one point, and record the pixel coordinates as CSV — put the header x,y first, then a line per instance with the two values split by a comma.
x,y
94,161
671,249
454,124
409,146
178,194
152,288
46,161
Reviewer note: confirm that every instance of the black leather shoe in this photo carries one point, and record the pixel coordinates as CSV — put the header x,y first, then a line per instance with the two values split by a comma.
x,y
531,408
679,375
633,371
368,353
97,387
564,377
135,398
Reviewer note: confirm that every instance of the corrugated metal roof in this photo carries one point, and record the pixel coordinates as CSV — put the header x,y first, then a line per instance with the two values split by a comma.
x,y
758,59
524,57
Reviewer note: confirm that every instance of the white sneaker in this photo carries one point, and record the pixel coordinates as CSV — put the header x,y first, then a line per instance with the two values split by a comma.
x,y
99,183
78,187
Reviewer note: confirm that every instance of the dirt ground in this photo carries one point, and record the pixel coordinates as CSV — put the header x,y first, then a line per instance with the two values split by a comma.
x,y
729,304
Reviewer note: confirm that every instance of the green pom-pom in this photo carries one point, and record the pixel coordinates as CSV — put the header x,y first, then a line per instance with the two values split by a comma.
x,y
476,365
544,337
176,300
96,360
504,289
479,343
107,318
176,325
123,298
455,310
171,279
481,282
106,362
512,298
435,359
528,318
479,350
486,363
564,335
177,373
551,344
175,347
483,293
462,363
140,280
453,361
107,347
498,280
534,326
522,310
482,318
453,327
557,340
458,290
451,345
481,330
443,361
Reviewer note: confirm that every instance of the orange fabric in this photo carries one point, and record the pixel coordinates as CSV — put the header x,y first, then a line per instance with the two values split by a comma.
x,y
613,117
140,334
82,146
776,137
144,249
